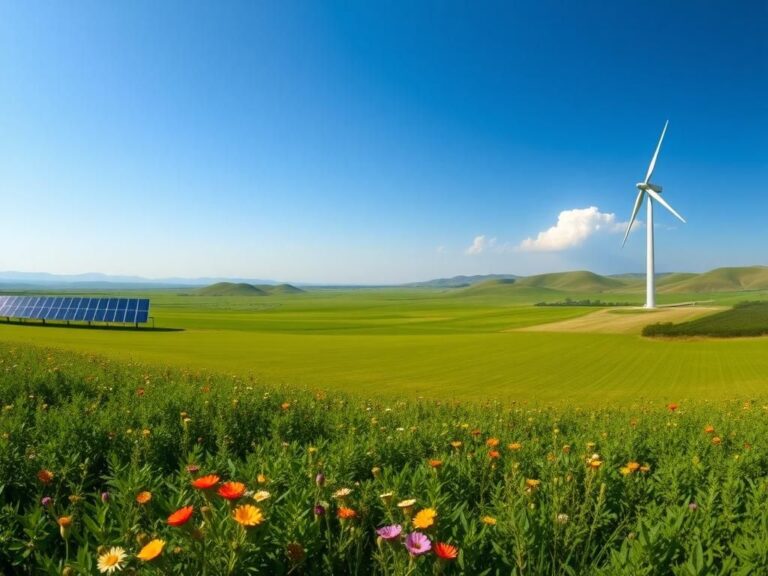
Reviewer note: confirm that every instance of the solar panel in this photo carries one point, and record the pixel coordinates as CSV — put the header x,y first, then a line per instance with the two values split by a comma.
x,y
77,309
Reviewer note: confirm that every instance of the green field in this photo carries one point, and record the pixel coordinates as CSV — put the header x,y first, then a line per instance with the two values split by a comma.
x,y
427,342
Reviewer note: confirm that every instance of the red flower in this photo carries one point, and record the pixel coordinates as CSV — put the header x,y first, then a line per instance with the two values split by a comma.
x,y
206,482
446,551
45,476
232,490
181,516
672,406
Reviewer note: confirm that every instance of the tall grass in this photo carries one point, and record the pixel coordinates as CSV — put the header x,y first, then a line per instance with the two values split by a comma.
x,y
636,489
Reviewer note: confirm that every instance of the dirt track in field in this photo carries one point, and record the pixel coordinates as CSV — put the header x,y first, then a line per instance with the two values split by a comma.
x,y
622,320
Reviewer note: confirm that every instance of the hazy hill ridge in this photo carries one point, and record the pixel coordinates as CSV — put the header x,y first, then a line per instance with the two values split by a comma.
x,y
244,289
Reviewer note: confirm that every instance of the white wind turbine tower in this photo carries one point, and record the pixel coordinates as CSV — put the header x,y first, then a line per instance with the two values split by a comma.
x,y
654,193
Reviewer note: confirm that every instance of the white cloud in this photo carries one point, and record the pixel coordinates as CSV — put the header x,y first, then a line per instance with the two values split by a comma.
x,y
572,229
480,244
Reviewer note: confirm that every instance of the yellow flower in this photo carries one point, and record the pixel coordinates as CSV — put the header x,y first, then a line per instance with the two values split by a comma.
x,y
151,550
111,560
406,504
633,466
489,520
625,471
515,446
456,443
248,515
261,479
532,484
425,518
342,493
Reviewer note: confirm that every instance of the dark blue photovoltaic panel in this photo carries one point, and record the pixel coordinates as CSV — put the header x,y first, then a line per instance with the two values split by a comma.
x,y
78,309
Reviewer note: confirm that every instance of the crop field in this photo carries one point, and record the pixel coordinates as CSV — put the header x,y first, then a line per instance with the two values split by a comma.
x,y
744,319
411,343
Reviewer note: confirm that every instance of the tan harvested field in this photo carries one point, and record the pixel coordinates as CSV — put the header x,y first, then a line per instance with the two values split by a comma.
x,y
622,320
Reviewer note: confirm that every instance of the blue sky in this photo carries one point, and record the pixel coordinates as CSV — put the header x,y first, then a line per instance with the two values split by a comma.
x,y
364,143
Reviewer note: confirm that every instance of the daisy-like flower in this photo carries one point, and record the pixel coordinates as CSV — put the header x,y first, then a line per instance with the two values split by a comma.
x,y
492,442
488,520
345,513
434,463
456,444
425,518
532,484
261,495
206,482
446,551
181,516
261,479
151,551
386,497
406,505
417,544
390,532
232,490
248,515
342,493
143,497
111,560
45,476
514,446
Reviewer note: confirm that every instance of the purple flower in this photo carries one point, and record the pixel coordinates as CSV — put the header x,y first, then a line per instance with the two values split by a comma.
x,y
319,510
105,497
417,544
320,479
46,501
390,532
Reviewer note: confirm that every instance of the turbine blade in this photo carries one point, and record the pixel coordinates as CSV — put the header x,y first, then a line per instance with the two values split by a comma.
x,y
663,202
638,201
652,165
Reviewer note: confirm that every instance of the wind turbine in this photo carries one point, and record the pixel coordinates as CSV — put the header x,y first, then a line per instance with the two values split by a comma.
x,y
654,193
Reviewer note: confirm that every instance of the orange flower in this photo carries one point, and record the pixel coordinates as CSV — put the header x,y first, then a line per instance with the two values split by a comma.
x,y
446,551
716,440
248,515
206,482
633,466
232,490
492,442
672,406
151,550
425,518
285,405
493,454
345,513
181,516
532,484
709,429
435,463
45,476
143,497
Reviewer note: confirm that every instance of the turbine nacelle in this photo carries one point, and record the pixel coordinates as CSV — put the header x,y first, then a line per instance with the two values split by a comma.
x,y
645,186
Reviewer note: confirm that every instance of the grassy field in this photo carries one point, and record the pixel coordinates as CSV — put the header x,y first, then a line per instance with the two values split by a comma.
x,y
431,343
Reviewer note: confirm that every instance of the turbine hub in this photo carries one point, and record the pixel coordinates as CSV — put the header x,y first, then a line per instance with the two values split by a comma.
x,y
648,186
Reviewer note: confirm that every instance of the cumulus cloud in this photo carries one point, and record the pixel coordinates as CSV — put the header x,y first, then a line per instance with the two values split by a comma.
x,y
572,229
480,244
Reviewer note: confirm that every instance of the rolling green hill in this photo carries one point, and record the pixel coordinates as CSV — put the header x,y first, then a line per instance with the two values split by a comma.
x,y
243,289
722,280
281,289
230,289
580,281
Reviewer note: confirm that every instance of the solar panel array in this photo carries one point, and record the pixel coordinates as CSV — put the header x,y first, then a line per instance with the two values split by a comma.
x,y
125,310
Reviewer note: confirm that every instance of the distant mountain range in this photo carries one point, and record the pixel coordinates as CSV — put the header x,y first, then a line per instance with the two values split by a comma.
x,y
96,280
718,280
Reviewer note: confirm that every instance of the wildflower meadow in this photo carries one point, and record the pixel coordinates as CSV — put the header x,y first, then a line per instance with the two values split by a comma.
x,y
118,468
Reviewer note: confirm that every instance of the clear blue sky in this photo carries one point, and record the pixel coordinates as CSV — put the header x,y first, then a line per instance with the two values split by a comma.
x,y
363,142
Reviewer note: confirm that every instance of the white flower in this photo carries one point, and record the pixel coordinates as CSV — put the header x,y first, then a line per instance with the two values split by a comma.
x,y
111,560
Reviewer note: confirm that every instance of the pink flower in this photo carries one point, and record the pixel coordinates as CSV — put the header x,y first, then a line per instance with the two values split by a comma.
x,y
390,532
417,544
